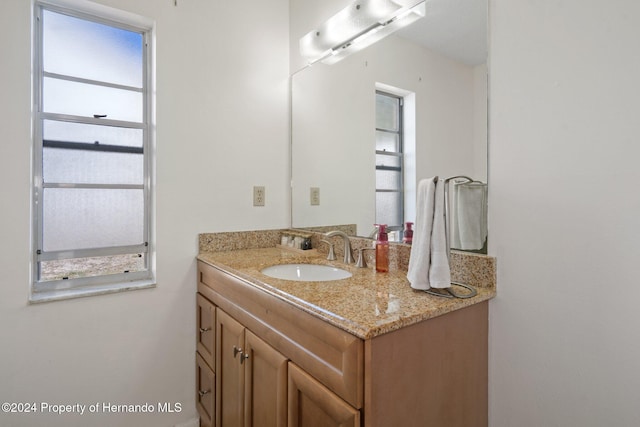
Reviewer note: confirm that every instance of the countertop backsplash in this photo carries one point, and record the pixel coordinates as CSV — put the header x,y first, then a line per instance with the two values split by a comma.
x,y
469,268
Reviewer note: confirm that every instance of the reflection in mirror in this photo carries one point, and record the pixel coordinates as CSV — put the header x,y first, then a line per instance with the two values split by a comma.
x,y
366,129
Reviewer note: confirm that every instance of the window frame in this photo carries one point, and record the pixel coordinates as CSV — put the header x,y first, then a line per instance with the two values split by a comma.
x,y
48,290
400,154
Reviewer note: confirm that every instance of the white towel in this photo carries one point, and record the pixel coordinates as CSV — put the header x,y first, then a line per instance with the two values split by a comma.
x,y
439,272
471,216
420,257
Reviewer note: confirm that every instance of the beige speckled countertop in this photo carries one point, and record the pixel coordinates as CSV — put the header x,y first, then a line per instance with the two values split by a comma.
x,y
366,305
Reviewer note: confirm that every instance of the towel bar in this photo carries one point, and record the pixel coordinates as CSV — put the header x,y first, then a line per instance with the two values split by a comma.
x,y
450,293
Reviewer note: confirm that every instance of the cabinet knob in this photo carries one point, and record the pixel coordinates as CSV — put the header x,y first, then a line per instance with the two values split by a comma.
x,y
237,350
203,392
203,330
243,357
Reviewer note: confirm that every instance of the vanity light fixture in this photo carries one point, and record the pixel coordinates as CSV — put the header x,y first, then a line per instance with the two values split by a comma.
x,y
357,26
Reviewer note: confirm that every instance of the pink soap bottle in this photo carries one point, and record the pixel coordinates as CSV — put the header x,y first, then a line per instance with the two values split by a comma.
x,y
408,233
382,249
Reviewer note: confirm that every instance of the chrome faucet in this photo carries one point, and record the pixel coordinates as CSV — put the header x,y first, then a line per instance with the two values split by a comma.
x,y
348,258
332,255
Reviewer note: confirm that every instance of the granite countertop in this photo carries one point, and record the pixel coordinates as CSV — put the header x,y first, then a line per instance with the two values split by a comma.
x,y
366,305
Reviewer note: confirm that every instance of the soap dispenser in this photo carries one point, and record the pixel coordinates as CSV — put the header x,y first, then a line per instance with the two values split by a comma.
x,y
382,249
408,233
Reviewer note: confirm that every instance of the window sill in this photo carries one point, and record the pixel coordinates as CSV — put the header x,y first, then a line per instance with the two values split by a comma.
x,y
40,297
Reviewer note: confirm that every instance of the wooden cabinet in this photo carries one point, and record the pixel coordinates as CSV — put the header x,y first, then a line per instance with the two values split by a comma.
x,y
256,385
205,360
432,373
277,365
313,405
205,329
252,380
205,392
265,392
251,385
230,378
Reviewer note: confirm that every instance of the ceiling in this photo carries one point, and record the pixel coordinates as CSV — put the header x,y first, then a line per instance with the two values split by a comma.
x,y
455,28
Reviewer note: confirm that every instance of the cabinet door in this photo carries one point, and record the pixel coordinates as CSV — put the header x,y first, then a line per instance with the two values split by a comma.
x,y
206,327
310,404
229,371
205,392
265,403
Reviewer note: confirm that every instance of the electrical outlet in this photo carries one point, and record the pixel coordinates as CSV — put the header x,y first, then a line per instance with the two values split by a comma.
x,y
315,196
258,196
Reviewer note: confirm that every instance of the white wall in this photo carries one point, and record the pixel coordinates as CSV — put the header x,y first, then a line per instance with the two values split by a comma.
x,y
222,113
564,205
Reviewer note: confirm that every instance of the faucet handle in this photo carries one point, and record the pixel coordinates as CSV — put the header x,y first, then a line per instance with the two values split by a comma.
x,y
332,254
361,261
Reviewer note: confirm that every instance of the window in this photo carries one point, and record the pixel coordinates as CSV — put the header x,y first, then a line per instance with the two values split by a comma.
x,y
389,161
92,162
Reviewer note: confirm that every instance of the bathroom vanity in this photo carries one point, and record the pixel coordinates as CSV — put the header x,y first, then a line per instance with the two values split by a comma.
x,y
362,351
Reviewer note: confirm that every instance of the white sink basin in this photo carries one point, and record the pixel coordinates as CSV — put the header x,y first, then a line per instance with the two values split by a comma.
x,y
306,272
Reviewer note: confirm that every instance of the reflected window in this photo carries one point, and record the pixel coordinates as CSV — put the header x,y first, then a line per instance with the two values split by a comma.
x,y
92,162
389,161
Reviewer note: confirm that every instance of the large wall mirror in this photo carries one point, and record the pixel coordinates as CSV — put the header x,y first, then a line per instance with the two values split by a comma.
x,y
350,163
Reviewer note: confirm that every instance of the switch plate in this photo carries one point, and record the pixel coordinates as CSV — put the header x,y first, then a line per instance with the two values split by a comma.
x,y
258,196
315,196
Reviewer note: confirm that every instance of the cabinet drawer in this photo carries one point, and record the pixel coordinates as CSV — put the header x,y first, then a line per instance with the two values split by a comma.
x,y
206,329
205,392
332,356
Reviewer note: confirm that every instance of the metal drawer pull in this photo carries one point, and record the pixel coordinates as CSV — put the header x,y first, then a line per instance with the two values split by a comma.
x,y
243,357
237,350
202,331
202,393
